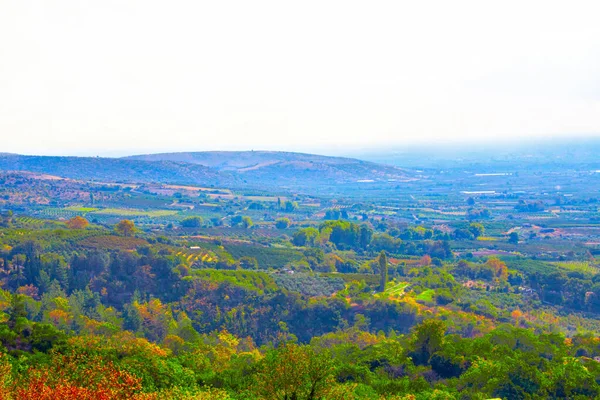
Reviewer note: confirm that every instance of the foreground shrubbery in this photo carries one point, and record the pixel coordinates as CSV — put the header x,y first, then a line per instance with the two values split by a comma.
x,y
428,363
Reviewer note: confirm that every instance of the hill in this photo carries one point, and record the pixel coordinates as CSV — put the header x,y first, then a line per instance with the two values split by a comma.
x,y
114,169
247,168
298,168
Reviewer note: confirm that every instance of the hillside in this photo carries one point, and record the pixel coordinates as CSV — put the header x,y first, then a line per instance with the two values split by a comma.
x,y
256,169
268,166
113,169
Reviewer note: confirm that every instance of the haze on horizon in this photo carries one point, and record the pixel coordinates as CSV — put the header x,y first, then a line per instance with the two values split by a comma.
x,y
115,77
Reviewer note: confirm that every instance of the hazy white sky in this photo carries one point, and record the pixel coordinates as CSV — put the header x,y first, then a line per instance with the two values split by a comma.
x,y
110,77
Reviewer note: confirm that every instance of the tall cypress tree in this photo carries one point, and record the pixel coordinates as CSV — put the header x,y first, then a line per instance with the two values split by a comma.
x,y
383,270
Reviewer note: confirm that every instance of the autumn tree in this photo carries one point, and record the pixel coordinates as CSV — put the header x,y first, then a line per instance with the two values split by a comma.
x,y
125,227
499,267
383,270
77,223
425,261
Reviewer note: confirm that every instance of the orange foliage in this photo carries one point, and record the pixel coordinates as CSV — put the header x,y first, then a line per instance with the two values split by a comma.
x,y
516,314
77,376
29,290
125,227
5,378
60,317
77,223
499,267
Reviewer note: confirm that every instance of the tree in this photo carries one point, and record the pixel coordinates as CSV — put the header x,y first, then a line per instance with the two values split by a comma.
x,y
16,310
247,222
513,238
125,227
77,223
192,222
283,223
476,229
498,267
248,263
383,271
294,372
365,236
428,337
305,237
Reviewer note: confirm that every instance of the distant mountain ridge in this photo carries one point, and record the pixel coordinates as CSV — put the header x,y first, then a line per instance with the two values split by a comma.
x,y
240,160
115,169
235,168
293,167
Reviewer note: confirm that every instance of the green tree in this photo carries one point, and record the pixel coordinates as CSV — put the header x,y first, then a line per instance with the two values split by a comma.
x,y
16,309
247,222
513,238
365,236
428,338
248,263
283,223
192,222
476,229
383,271
305,237
293,372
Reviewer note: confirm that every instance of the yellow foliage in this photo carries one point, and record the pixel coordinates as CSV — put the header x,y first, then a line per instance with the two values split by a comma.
x,y
60,317
5,378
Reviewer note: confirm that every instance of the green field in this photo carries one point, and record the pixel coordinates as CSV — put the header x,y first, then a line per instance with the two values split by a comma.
x,y
81,209
427,295
396,289
128,212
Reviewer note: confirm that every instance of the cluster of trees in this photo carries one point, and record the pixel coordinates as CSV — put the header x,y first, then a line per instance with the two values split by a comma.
x,y
6,219
243,221
286,205
534,206
346,235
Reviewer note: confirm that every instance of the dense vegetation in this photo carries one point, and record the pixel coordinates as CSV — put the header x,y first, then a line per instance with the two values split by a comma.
x,y
163,291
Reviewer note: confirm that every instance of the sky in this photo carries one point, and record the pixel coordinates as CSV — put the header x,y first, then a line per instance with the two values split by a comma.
x,y
124,77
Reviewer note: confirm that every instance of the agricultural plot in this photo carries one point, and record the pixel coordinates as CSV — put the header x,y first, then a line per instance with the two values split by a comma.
x,y
310,285
57,213
81,209
578,266
267,257
396,289
194,256
126,212
36,223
